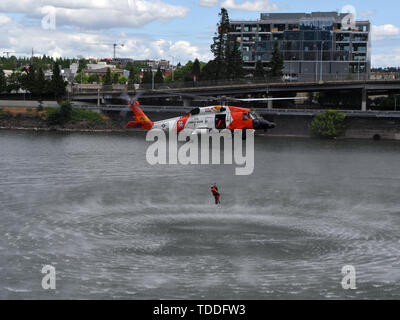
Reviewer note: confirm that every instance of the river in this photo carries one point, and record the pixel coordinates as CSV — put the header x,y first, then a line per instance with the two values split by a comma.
x,y
115,227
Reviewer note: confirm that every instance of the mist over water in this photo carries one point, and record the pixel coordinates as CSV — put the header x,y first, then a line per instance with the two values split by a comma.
x,y
115,227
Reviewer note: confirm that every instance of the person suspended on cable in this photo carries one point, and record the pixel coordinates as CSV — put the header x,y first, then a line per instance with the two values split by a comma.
x,y
215,192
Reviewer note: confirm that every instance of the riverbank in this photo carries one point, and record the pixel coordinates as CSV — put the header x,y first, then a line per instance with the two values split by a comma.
x,y
32,119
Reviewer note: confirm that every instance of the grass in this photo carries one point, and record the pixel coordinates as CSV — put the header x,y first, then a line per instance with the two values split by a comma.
x,y
76,115
91,117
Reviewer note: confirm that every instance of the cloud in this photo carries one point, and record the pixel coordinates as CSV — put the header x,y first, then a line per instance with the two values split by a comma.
x,y
72,43
391,59
209,3
367,13
96,14
4,19
384,31
256,5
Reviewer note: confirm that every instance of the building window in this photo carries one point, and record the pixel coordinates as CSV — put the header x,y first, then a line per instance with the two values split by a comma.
x,y
265,28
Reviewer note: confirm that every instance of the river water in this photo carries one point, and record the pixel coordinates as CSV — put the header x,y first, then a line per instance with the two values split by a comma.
x,y
115,227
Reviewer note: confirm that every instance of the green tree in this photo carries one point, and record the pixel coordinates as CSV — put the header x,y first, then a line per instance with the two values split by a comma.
x,y
115,78
81,78
57,84
147,76
61,115
82,65
14,82
123,79
107,79
259,72
93,78
276,63
196,69
234,60
209,72
159,78
29,79
133,76
3,81
41,85
219,46
328,124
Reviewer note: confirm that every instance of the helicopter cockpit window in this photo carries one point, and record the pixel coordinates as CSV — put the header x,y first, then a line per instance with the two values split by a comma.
x,y
246,116
195,111
254,116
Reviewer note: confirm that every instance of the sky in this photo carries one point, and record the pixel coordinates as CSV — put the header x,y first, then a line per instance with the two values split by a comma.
x,y
176,30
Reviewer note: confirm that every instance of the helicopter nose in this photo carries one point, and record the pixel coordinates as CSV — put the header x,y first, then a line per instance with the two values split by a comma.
x,y
263,124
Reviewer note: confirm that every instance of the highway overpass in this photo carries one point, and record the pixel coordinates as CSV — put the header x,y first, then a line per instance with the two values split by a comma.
x,y
364,88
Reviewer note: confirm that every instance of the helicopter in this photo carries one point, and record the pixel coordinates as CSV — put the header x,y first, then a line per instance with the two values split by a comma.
x,y
205,119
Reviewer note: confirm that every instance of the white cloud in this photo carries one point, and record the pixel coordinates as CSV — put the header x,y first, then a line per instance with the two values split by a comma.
x,y
383,31
72,43
256,5
4,19
96,14
209,3
367,13
391,59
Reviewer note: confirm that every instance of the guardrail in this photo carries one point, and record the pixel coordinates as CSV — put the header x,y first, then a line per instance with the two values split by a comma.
x,y
96,88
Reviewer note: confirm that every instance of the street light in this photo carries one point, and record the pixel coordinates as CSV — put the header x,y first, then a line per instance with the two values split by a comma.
x,y
173,71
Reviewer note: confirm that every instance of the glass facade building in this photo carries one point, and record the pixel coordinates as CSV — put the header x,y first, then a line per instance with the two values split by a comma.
x,y
315,46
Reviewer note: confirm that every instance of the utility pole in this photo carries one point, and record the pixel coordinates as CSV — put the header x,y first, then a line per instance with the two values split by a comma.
x,y
322,52
173,58
115,45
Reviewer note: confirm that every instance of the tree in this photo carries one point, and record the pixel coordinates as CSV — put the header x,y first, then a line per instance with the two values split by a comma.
x,y
219,46
159,78
115,78
234,61
147,76
107,79
61,115
3,81
93,78
41,86
82,65
123,79
29,79
57,83
259,72
14,82
328,124
196,69
276,63
81,78
209,72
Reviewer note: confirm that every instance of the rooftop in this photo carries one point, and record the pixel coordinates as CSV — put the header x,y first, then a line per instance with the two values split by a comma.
x,y
332,15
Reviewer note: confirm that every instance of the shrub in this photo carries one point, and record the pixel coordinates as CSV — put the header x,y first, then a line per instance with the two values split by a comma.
x,y
61,115
328,124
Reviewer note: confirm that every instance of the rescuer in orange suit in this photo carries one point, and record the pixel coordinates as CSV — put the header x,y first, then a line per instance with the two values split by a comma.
x,y
214,190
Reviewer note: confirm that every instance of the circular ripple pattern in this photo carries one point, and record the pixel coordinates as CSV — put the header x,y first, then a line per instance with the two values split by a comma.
x,y
116,227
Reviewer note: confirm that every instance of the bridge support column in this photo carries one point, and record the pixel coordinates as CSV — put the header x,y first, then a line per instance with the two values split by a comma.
x,y
98,97
187,102
270,104
364,99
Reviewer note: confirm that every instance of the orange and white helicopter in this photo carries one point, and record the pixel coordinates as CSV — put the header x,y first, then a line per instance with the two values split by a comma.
x,y
205,119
